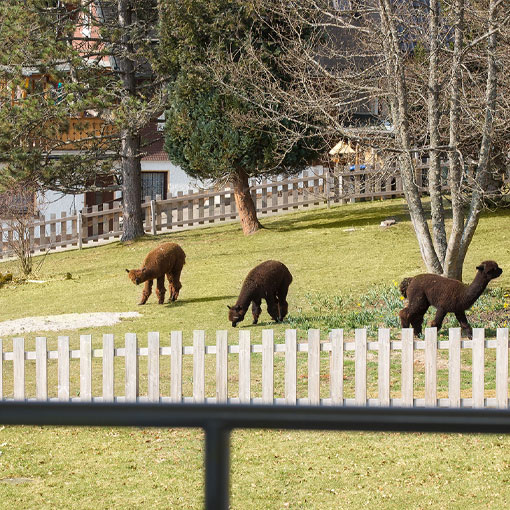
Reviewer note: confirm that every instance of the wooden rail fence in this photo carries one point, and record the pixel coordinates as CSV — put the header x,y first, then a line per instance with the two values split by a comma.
x,y
182,211
394,362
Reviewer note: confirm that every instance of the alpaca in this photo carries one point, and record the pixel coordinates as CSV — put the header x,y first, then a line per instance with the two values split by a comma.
x,y
167,259
445,294
269,280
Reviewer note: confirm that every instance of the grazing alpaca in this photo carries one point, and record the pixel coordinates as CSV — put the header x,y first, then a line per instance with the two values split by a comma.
x,y
270,281
445,294
167,259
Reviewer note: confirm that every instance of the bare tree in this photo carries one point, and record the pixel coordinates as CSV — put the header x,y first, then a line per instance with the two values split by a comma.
x,y
18,216
410,79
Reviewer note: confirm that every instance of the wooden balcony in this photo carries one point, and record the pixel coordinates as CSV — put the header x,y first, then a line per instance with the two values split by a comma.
x,y
86,133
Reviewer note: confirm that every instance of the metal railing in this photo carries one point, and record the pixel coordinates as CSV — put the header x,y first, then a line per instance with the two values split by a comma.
x,y
219,420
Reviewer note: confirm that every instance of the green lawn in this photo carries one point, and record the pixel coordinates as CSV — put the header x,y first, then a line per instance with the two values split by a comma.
x,y
340,258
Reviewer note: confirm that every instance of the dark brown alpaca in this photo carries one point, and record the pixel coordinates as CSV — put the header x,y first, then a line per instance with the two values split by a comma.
x,y
445,294
270,281
167,259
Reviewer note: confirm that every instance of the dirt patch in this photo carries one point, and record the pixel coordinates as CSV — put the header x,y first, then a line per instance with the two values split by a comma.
x,y
65,321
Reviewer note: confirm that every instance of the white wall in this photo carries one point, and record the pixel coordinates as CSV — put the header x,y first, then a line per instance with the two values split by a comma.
x,y
52,202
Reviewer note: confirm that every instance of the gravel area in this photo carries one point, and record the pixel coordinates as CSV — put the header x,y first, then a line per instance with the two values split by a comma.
x,y
65,321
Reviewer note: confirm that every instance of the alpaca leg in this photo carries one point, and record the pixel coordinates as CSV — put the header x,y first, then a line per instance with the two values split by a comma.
x,y
174,282
404,317
282,302
438,319
147,290
160,289
464,324
272,307
417,323
256,310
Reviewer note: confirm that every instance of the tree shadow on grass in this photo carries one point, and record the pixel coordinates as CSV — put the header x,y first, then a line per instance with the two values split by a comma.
x,y
206,299
338,218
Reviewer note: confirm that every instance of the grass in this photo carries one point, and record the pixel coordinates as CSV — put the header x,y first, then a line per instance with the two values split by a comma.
x,y
344,268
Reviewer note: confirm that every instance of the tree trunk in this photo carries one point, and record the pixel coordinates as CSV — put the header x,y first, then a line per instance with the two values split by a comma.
x,y
244,203
130,142
400,116
131,188
436,194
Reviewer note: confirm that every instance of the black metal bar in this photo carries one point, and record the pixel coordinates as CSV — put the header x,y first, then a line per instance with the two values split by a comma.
x,y
217,466
257,416
218,420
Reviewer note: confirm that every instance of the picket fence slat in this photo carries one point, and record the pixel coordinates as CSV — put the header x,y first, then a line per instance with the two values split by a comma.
x,y
18,347
85,368
337,366
221,366
502,368
431,367
131,367
290,366
478,353
153,366
176,367
314,366
244,367
454,367
407,367
384,361
108,368
41,369
267,366
329,354
63,368
198,366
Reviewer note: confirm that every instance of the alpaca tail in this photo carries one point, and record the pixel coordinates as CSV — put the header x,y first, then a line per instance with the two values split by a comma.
x,y
403,286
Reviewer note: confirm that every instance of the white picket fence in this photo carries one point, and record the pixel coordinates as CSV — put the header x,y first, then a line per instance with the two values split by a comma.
x,y
334,351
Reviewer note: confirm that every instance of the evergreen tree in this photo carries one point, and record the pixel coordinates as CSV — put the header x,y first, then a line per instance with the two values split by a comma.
x,y
210,133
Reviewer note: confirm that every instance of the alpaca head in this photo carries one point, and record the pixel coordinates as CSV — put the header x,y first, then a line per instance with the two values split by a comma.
x,y
235,314
489,269
174,291
136,275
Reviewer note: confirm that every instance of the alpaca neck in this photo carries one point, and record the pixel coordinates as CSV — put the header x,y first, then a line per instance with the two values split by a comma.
x,y
474,290
244,299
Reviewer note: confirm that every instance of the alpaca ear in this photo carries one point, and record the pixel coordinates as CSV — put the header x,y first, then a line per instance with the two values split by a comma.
x,y
127,270
229,307
144,269
481,267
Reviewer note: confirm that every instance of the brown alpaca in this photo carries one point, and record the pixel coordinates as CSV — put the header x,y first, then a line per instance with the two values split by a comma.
x,y
270,281
167,259
445,294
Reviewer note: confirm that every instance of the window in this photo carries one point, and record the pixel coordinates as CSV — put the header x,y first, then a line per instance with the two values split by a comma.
x,y
154,183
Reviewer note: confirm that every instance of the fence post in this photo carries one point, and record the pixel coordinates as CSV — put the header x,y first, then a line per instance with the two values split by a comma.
x,y
80,230
153,218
